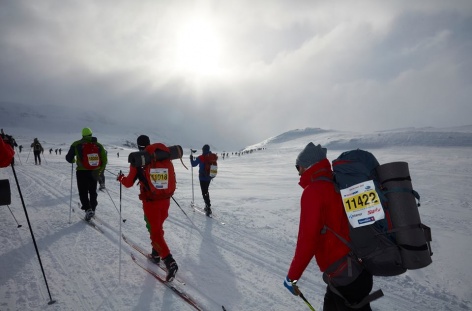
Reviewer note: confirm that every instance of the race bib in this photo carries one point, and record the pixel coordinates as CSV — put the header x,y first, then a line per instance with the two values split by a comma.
x,y
362,204
159,177
213,170
93,159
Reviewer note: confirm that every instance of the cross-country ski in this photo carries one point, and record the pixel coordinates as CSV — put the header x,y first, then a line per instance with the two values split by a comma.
x,y
174,288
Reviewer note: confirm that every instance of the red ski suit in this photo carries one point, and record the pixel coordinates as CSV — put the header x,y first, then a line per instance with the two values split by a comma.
x,y
155,213
320,205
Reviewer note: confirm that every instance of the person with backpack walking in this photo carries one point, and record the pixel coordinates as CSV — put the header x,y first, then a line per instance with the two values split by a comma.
x,y
321,206
157,184
37,150
204,161
91,160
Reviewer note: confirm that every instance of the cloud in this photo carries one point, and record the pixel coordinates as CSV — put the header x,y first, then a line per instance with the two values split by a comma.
x,y
281,64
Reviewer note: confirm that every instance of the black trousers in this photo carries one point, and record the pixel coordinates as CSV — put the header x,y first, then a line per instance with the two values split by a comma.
x,y
204,185
353,292
87,186
37,157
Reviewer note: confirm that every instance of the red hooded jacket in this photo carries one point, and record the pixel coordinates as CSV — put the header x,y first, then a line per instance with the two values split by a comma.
x,y
320,205
6,153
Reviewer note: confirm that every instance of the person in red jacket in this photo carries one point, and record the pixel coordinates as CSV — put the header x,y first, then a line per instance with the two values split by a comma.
x,y
321,205
6,151
156,212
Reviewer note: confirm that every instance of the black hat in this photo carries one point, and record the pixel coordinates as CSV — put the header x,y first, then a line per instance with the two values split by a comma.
x,y
143,141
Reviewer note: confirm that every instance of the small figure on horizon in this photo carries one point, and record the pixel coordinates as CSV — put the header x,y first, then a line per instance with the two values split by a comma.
x,y
37,150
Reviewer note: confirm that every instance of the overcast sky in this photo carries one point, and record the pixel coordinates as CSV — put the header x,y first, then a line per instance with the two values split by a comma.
x,y
238,72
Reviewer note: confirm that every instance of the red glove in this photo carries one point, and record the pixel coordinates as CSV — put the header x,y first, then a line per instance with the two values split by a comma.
x,y
120,177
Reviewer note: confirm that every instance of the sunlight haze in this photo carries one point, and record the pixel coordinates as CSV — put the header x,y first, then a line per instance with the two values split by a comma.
x,y
237,72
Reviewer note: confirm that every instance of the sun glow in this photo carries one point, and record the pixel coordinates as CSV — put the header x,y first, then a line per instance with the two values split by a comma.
x,y
198,49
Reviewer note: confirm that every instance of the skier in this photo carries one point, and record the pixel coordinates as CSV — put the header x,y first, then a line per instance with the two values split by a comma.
x,y
37,150
321,205
203,176
155,213
91,162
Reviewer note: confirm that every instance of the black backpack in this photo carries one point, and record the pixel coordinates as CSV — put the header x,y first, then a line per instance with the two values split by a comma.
x,y
386,233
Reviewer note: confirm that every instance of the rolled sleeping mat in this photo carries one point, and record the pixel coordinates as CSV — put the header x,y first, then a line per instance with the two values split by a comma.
x,y
176,152
141,158
398,189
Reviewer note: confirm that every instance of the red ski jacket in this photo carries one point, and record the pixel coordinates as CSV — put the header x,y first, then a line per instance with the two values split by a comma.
x,y
6,153
320,205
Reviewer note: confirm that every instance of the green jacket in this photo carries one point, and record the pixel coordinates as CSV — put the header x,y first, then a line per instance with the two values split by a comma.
x,y
75,154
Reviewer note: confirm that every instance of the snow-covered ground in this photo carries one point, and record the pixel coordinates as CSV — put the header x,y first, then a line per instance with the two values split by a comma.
x,y
241,264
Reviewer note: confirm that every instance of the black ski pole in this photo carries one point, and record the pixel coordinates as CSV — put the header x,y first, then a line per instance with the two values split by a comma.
x,y
28,156
19,226
187,216
71,179
306,301
32,235
119,267
116,208
18,154
193,197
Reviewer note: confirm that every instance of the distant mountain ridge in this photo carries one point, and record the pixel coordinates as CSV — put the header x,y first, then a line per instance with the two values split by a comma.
x,y
46,120
438,137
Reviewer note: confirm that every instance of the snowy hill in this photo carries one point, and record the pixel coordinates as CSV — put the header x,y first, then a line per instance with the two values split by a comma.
x,y
335,140
240,264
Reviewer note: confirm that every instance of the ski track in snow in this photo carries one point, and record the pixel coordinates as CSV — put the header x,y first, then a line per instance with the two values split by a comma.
x,y
241,264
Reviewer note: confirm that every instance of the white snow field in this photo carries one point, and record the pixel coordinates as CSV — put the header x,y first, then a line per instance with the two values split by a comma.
x,y
240,265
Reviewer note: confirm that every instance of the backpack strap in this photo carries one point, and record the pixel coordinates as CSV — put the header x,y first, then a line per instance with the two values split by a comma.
x,y
367,299
399,189
326,228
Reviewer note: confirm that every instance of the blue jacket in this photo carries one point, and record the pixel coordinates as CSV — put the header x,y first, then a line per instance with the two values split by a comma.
x,y
200,161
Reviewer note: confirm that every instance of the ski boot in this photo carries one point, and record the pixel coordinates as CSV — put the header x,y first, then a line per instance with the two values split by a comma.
x,y
154,257
207,210
89,214
172,268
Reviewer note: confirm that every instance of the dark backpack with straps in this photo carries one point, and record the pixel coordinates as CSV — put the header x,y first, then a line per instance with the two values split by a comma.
x,y
376,211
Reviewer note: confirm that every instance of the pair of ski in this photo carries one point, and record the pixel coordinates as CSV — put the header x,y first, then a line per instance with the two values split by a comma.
x,y
202,211
159,277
